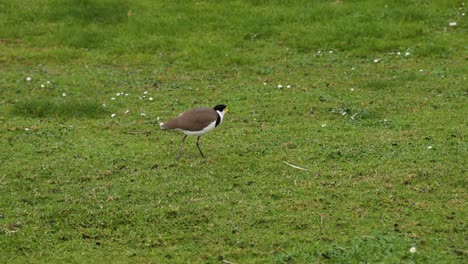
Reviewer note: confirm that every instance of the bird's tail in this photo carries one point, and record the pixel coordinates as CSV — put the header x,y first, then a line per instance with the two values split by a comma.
x,y
162,125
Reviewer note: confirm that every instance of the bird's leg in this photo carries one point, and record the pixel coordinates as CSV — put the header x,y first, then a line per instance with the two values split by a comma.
x,y
181,145
198,146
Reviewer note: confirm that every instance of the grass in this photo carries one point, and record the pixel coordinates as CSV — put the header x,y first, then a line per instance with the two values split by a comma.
x,y
47,107
375,111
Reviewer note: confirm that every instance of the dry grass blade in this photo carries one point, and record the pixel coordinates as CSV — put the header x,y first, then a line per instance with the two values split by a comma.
x,y
296,167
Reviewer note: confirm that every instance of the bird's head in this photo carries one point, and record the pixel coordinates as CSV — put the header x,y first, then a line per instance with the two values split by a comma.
x,y
221,108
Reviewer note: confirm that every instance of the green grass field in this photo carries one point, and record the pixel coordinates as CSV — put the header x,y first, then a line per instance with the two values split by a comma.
x,y
369,97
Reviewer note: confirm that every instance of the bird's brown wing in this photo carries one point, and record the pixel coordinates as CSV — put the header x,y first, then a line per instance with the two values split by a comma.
x,y
193,120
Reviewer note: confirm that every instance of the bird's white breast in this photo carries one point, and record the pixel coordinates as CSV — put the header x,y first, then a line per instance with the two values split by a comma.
x,y
205,130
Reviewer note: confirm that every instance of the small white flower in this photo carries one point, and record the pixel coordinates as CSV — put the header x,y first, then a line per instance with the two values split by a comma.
x,y
28,79
421,70
157,118
331,51
407,53
324,125
48,82
127,111
376,60
319,51
64,94
143,114
352,89
151,98
26,129
126,94
463,14
145,92
429,147
118,94
264,83
385,120
104,105
352,68
113,115
113,98
398,53
452,24
288,86
280,86
412,250
42,85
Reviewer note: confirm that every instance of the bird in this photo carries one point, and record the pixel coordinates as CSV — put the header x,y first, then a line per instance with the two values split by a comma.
x,y
196,122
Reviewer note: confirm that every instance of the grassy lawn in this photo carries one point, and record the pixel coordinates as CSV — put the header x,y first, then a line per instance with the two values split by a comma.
x,y
367,98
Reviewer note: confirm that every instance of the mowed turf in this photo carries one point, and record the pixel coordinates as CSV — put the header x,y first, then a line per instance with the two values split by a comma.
x,y
365,99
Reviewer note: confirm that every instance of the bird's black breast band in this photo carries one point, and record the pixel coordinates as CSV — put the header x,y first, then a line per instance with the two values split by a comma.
x,y
218,120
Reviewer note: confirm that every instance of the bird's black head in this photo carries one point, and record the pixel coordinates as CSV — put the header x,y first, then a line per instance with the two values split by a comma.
x,y
220,107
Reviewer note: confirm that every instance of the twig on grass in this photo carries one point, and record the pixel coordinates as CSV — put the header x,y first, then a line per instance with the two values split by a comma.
x,y
228,262
296,167
460,251
146,133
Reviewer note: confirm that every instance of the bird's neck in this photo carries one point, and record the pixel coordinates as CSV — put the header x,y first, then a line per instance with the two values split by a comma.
x,y
220,117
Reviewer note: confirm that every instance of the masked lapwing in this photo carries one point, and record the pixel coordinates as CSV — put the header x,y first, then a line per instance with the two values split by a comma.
x,y
196,122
